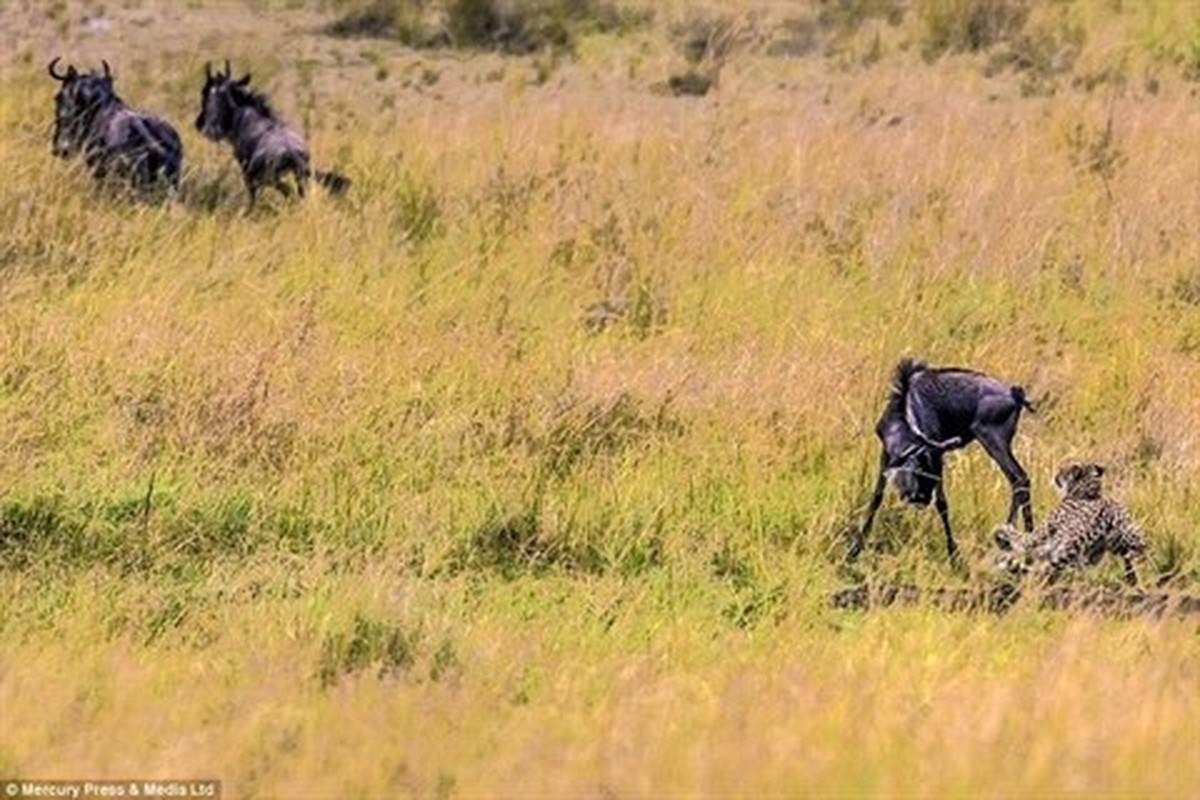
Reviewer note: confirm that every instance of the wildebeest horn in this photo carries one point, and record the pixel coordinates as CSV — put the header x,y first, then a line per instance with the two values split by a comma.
x,y
54,74
208,70
244,80
228,69
107,69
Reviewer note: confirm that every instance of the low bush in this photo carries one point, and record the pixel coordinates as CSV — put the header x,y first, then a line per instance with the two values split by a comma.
x,y
509,26
968,25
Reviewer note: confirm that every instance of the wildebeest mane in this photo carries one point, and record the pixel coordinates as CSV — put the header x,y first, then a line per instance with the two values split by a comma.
x,y
244,97
901,377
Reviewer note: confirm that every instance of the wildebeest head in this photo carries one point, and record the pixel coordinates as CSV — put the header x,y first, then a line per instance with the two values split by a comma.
x,y
914,468
78,98
219,102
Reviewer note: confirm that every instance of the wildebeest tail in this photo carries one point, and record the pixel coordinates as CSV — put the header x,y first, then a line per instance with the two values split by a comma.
x,y
334,182
1018,396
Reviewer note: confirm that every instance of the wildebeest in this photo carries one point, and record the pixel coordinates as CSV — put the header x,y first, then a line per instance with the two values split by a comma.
x,y
931,411
266,148
115,140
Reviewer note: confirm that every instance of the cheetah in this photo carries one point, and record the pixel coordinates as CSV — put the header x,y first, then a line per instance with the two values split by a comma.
x,y
1083,527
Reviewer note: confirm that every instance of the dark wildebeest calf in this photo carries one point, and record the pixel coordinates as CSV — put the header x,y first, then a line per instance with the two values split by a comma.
x,y
115,139
266,148
931,412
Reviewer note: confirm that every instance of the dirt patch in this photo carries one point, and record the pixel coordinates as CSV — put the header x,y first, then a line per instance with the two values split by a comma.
x,y
1001,598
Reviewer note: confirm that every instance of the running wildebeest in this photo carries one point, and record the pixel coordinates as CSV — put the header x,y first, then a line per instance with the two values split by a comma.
x,y
115,139
931,411
266,148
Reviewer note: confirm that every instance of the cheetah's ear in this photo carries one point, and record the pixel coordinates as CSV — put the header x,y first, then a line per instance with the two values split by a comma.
x,y
1060,478
1097,470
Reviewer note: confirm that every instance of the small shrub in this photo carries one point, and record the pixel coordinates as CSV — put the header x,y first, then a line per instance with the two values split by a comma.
x,y
756,605
795,37
1095,152
832,27
403,20
295,530
370,643
1182,52
516,544
510,26
509,543
707,39
222,528
445,662
690,83
1189,59
730,565
968,25
1040,55
474,23
647,310
504,203
39,525
1186,288
166,616
418,212
842,240
576,437
849,15
1112,75
1170,560
628,294
640,306
644,553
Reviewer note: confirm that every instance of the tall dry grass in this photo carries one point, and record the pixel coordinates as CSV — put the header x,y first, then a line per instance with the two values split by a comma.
x,y
528,466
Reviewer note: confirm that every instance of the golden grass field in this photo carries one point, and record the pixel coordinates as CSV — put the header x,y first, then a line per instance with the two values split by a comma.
x,y
526,468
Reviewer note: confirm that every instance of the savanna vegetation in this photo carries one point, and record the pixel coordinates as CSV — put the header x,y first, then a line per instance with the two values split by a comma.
x,y
527,467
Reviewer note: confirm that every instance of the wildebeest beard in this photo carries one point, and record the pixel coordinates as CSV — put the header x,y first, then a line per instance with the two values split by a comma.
x,y
917,477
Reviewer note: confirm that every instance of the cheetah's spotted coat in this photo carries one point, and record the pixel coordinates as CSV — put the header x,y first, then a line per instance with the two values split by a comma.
x,y
1083,527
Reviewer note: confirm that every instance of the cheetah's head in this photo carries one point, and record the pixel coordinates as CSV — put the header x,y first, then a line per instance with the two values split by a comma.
x,y
1080,480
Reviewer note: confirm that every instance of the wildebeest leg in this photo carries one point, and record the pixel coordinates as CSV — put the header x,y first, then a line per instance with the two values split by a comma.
x,y
301,181
943,509
1021,498
860,537
98,165
282,188
253,175
997,442
143,173
171,171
